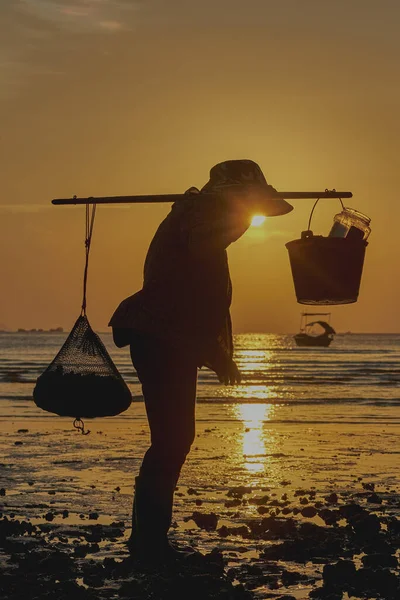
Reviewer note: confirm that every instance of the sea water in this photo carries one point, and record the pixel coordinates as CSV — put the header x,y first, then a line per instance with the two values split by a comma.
x,y
356,379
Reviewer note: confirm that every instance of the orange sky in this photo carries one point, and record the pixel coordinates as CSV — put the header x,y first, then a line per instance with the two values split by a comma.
x,y
107,98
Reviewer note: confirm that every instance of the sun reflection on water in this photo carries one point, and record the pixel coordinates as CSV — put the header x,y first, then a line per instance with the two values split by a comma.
x,y
255,392
254,442
254,404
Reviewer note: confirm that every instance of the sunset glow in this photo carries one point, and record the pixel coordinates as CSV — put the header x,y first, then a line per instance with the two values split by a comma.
x,y
159,130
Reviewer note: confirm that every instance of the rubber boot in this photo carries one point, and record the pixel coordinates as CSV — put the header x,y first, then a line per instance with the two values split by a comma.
x,y
132,538
153,502
132,541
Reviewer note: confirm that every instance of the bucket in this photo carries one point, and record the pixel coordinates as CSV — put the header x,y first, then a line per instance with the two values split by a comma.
x,y
326,270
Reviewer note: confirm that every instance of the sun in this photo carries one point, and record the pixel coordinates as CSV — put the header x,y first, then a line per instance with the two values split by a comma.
x,y
257,220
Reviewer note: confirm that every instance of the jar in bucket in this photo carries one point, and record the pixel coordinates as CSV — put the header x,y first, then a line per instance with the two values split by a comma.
x,y
350,223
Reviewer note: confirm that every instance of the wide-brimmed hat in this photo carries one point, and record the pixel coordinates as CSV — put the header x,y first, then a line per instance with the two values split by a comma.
x,y
246,176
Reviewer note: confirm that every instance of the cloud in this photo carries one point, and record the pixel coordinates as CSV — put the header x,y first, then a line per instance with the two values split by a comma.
x,y
28,29
84,16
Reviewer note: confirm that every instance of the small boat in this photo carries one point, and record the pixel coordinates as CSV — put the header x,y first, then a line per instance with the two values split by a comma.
x,y
307,337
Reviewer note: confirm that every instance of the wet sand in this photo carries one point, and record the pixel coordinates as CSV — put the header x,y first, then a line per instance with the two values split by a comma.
x,y
281,508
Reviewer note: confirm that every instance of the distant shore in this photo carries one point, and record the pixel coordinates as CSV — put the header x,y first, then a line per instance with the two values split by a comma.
x,y
22,330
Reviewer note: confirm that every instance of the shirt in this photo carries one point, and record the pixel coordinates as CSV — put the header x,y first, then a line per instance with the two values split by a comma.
x,y
187,291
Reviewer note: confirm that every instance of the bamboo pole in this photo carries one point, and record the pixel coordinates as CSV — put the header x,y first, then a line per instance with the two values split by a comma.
x,y
156,198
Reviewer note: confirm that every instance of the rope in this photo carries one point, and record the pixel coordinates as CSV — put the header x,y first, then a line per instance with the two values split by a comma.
x,y
89,222
315,204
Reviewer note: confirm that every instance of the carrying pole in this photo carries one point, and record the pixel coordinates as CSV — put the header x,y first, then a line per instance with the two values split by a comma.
x,y
156,198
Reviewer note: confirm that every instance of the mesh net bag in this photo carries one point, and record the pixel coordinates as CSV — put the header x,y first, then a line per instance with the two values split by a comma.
x,y
82,380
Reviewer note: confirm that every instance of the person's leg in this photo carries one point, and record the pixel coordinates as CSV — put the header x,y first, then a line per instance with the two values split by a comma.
x,y
168,380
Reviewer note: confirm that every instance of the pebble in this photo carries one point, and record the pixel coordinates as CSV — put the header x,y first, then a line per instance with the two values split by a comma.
x,y
301,492
374,499
239,491
365,525
368,486
341,574
292,577
309,512
329,516
205,521
386,561
49,516
231,503
332,498
263,510
242,530
382,581
260,500
379,545
350,510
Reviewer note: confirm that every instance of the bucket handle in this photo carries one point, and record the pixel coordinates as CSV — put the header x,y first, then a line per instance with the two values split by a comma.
x,y
315,204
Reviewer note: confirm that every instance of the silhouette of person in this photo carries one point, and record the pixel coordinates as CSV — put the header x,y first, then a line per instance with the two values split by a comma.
x,y
180,321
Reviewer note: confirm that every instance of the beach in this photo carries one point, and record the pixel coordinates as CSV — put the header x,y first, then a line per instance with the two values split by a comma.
x,y
221,177
291,489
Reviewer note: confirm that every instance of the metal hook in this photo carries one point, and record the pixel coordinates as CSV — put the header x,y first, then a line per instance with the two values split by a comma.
x,y
79,424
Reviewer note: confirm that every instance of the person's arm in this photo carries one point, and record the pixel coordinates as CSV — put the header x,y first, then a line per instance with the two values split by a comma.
x,y
222,364
217,356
